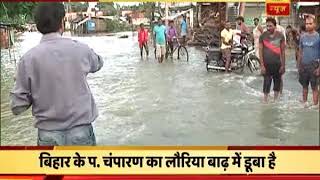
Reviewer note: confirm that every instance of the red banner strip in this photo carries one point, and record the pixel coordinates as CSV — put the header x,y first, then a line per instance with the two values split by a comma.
x,y
180,148
170,177
273,147
49,0
278,9
26,148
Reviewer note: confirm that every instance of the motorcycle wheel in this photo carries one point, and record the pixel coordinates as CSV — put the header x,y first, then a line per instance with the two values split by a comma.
x,y
254,64
207,64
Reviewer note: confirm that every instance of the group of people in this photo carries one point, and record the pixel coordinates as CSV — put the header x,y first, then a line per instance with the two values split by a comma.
x,y
270,46
163,37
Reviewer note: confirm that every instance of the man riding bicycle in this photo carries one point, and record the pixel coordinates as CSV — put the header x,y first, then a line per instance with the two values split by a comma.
x,y
171,35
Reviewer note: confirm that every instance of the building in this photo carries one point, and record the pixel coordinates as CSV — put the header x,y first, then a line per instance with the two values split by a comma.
x,y
304,8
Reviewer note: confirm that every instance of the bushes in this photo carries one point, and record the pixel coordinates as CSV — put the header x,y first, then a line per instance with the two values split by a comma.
x,y
116,26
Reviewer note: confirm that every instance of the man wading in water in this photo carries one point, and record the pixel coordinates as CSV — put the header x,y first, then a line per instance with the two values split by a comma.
x,y
308,60
272,58
143,40
51,78
160,39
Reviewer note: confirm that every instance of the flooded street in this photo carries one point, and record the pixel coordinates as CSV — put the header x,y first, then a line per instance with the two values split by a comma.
x,y
142,102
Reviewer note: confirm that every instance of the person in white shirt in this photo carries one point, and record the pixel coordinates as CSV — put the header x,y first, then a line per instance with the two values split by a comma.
x,y
226,38
257,31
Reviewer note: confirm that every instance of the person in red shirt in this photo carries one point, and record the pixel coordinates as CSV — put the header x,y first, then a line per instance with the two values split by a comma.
x,y
143,39
245,32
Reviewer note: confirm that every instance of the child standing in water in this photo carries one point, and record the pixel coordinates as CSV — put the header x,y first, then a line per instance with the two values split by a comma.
x,y
143,39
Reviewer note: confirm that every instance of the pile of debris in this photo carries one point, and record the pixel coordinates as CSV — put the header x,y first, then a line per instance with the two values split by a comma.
x,y
211,19
209,34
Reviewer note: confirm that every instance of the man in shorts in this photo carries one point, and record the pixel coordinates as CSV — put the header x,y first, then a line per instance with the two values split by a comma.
x,y
160,38
308,61
272,58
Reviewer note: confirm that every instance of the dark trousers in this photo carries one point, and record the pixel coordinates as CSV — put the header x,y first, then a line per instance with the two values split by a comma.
x,y
145,46
272,74
307,76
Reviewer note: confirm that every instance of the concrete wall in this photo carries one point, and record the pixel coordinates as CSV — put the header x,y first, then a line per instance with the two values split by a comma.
x,y
253,10
101,24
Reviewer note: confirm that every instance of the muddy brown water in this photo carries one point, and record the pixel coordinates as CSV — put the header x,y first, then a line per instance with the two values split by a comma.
x,y
142,102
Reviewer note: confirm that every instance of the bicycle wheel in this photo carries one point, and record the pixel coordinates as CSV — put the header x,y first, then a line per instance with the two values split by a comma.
x,y
183,53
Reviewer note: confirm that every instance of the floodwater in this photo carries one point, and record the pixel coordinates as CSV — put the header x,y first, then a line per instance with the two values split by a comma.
x,y
142,102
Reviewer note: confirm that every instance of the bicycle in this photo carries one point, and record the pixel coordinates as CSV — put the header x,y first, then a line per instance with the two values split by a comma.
x,y
182,50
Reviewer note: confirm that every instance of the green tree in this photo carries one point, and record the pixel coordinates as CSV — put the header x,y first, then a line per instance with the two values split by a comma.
x,y
107,8
19,13
76,6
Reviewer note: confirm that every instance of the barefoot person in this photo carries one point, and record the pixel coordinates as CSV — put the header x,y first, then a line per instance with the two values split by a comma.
x,y
272,58
308,60
160,37
51,78
171,36
143,40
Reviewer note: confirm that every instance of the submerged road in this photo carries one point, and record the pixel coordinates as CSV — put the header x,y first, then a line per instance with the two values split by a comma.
x,y
142,102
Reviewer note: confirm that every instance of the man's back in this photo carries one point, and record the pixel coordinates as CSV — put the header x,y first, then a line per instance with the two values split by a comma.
x,y
52,77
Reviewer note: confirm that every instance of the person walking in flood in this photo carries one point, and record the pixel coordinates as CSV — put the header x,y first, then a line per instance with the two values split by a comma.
x,y
308,61
184,29
143,40
160,37
272,58
51,78
171,36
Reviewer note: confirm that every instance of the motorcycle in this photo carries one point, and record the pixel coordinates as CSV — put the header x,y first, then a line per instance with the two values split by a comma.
x,y
242,56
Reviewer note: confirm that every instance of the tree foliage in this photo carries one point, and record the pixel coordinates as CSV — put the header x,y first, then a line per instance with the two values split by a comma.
x,y
19,12
107,8
77,7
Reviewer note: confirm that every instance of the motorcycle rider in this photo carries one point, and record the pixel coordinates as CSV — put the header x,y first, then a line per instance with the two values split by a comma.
x,y
226,38
243,28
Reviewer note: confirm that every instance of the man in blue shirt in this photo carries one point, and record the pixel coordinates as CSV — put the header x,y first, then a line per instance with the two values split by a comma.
x,y
184,29
160,37
308,61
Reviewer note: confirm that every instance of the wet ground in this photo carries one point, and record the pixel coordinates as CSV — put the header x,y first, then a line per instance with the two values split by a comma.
x,y
142,102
